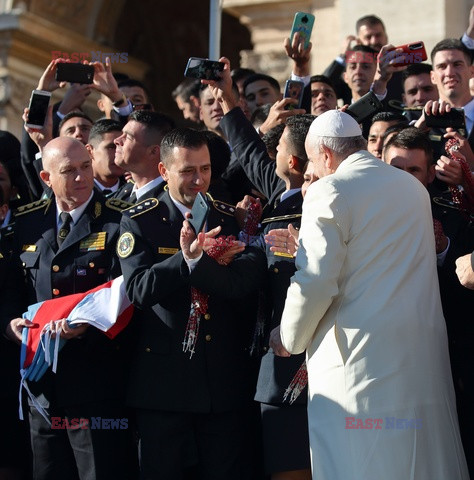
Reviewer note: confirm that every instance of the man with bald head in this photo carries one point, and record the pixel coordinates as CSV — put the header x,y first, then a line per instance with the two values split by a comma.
x,y
67,245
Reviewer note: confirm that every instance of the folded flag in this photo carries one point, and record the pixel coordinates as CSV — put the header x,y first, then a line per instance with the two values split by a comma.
x,y
105,307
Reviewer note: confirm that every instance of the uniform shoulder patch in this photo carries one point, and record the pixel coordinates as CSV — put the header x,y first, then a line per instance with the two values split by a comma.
x,y
141,207
117,204
224,207
31,207
125,244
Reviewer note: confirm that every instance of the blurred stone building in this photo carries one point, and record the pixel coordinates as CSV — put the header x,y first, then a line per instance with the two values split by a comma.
x,y
158,37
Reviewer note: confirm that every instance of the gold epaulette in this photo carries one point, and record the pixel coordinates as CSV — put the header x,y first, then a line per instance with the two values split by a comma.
x,y
223,207
31,207
117,204
141,207
280,218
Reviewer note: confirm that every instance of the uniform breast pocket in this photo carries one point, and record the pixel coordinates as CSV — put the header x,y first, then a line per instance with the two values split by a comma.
x,y
30,262
90,272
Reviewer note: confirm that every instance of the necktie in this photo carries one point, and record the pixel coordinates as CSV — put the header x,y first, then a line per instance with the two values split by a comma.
x,y
65,228
133,198
106,192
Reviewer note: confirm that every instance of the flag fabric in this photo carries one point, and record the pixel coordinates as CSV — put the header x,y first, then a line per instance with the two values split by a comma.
x,y
105,307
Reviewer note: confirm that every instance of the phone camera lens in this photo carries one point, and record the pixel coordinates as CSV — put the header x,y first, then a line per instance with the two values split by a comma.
x,y
304,19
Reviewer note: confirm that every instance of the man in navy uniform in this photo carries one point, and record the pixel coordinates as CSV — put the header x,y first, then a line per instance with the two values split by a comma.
x,y
67,245
192,404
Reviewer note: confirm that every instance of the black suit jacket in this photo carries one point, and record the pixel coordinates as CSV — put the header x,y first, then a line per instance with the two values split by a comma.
x,y
91,368
252,155
218,376
126,190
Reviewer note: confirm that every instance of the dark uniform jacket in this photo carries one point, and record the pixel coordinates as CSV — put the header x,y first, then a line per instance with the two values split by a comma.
x,y
90,368
158,282
276,372
124,192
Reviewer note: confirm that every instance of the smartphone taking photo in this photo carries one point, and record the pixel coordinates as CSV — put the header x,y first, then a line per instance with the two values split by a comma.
x,y
365,107
203,69
74,73
302,24
199,213
294,89
38,108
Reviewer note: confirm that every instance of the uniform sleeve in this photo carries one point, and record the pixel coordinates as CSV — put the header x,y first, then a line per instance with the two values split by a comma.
x,y
321,253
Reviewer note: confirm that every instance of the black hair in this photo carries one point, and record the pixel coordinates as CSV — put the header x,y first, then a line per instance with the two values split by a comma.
x,y
389,117
156,124
180,137
416,69
188,88
322,79
298,127
452,44
261,76
370,20
260,114
73,114
412,138
272,137
103,126
131,82
241,73
219,152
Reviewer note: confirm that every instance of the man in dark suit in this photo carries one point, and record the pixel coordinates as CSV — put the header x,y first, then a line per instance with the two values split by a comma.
x,y
108,177
191,398
138,152
67,245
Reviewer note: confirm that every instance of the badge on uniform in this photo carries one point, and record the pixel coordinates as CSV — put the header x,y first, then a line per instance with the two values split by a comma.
x,y
95,241
29,248
168,251
283,254
125,245
81,272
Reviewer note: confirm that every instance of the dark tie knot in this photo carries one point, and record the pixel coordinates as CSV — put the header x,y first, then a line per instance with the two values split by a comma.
x,y
65,226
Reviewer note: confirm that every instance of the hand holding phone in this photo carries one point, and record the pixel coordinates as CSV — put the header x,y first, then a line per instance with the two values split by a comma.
x,y
411,53
365,107
199,213
303,24
455,118
74,73
38,108
294,89
203,68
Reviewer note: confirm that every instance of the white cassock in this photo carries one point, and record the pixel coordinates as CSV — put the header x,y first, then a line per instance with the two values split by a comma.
x,y
364,302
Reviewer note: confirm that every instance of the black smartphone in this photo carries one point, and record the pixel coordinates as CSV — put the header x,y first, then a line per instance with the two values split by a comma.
x,y
199,213
203,68
294,89
365,107
74,73
38,108
455,118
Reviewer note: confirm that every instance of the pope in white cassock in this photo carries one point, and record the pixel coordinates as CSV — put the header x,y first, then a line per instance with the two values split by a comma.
x,y
364,303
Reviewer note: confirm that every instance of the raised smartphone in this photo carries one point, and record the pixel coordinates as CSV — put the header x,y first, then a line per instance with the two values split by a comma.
x,y
203,68
412,53
74,73
38,108
294,89
365,107
302,23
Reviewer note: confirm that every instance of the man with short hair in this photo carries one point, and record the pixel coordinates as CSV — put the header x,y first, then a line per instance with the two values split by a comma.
x,y
261,89
67,245
138,152
186,96
323,95
361,65
417,85
77,125
108,176
374,357
380,122
191,380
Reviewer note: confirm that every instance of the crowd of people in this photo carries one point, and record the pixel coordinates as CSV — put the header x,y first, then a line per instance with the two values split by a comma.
x,y
317,327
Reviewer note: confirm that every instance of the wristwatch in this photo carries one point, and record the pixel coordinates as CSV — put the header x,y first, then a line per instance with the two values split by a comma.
x,y
121,102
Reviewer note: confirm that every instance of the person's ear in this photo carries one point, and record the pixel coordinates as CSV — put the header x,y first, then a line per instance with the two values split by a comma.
x,y
44,175
163,171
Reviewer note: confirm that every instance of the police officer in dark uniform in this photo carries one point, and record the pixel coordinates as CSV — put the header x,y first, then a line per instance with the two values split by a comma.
x,y
138,152
190,382
67,245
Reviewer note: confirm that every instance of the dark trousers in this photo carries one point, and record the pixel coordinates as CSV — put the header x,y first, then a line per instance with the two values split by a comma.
x,y
207,446
82,444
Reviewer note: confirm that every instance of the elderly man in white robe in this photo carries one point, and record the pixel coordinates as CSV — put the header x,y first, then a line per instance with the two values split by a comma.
x,y
364,303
